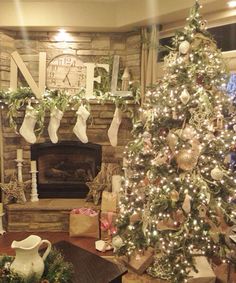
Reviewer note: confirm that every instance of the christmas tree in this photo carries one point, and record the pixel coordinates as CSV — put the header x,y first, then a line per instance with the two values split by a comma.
x,y
178,192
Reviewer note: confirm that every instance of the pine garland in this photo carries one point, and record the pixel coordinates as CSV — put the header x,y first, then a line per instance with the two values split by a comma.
x,y
57,270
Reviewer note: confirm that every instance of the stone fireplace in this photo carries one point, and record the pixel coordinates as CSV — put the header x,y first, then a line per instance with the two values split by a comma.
x,y
64,168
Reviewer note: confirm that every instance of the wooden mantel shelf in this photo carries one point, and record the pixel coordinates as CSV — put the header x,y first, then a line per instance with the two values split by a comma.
x,y
49,215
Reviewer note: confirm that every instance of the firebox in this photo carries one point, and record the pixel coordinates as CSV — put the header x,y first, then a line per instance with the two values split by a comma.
x,y
65,167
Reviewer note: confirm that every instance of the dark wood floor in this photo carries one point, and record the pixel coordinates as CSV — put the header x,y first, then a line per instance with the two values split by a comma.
x,y
53,237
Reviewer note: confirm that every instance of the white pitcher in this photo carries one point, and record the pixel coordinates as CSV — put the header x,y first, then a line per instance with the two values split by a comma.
x,y
28,261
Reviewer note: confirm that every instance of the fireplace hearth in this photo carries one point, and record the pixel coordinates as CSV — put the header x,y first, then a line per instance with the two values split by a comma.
x,y
65,167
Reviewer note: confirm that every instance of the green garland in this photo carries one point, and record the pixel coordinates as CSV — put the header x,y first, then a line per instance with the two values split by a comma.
x,y
57,270
17,100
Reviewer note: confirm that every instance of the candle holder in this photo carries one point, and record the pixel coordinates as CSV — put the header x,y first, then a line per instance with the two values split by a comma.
x,y
34,192
2,231
19,169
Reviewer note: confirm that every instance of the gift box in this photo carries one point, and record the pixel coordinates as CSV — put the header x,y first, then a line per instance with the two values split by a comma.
x,y
205,273
84,222
139,261
109,202
107,225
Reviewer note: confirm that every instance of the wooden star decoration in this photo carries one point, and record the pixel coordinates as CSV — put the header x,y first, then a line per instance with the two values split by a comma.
x,y
13,191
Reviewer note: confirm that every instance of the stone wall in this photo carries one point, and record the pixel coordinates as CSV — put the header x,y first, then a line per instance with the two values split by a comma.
x,y
88,46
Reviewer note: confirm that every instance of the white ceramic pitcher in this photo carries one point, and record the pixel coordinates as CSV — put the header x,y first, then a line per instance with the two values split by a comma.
x,y
28,261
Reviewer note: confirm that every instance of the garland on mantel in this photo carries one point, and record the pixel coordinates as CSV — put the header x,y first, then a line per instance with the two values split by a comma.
x,y
16,101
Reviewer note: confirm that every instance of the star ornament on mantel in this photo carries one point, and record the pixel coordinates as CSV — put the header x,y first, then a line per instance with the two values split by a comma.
x,y
13,191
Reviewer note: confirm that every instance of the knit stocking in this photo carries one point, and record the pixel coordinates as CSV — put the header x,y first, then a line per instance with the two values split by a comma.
x,y
54,124
114,127
80,126
27,127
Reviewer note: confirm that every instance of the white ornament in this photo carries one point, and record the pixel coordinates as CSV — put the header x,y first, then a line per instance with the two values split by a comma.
x,y
234,127
100,245
117,242
184,96
217,174
184,47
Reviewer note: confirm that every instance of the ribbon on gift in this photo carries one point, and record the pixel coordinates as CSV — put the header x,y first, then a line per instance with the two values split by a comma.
x,y
84,211
107,225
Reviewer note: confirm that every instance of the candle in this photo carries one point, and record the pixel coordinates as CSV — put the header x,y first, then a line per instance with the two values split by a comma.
x,y
1,207
33,166
19,154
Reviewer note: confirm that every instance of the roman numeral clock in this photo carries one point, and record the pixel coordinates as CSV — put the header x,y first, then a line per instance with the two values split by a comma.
x,y
66,72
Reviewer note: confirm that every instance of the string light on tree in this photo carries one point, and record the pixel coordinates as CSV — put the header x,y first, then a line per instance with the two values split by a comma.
x,y
178,178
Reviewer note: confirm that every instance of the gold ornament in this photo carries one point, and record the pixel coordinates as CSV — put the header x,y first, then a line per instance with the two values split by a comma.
x,y
184,47
172,140
187,133
185,96
216,174
186,159
174,195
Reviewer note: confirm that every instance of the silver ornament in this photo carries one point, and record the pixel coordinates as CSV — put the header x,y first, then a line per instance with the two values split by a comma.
x,y
184,96
216,174
184,47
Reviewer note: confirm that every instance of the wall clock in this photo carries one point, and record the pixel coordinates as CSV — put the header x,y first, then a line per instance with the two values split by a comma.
x,y
66,72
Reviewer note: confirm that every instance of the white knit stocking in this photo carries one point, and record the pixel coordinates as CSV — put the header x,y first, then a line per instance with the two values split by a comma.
x,y
80,126
114,127
27,127
54,124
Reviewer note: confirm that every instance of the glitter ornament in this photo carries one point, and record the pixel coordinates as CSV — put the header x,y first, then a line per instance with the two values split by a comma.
x,y
186,159
174,195
188,133
184,47
185,96
216,174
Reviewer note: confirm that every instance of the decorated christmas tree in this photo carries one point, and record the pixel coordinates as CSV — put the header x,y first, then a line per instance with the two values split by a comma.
x,y
179,188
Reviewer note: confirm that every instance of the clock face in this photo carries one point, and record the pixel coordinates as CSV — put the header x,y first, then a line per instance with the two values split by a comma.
x,y
66,72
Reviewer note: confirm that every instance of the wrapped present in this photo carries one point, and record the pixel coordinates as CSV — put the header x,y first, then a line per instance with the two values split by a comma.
x,y
109,202
107,225
84,222
205,273
140,261
116,183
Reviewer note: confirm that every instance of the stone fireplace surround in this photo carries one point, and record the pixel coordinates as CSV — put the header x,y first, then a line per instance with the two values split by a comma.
x,y
97,127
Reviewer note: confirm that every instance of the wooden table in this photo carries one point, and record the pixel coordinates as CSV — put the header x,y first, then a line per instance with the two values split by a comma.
x,y
88,267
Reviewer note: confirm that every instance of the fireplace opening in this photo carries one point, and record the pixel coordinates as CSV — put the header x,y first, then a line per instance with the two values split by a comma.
x,y
65,167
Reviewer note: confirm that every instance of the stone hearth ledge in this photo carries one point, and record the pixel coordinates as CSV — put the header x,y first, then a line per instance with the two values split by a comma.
x,y
52,204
